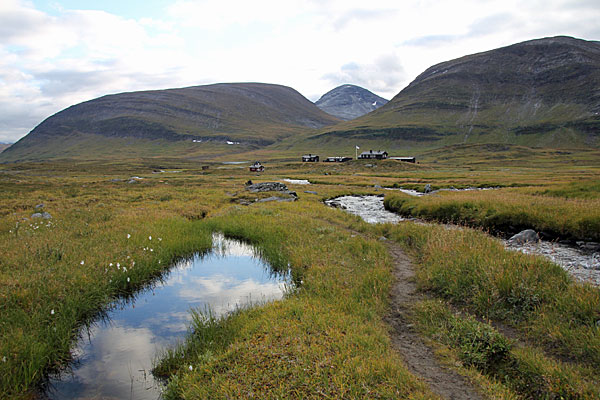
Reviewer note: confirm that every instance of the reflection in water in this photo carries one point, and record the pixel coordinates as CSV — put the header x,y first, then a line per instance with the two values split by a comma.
x,y
114,361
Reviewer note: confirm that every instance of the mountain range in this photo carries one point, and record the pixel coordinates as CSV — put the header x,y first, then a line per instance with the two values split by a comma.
x,y
543,92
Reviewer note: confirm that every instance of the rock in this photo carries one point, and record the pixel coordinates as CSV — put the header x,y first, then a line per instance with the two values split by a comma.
x,y
310,192
427,188
44,215
377,187
132,181
277,198
249,182
267,187
39,206
528,235
116,180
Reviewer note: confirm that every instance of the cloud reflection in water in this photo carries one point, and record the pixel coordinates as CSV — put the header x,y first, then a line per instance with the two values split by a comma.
x,y
116,360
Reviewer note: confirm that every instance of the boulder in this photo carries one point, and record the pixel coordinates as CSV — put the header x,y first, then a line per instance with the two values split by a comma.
x,y
37,207
267,187
44,215
526,236
427,188
310,192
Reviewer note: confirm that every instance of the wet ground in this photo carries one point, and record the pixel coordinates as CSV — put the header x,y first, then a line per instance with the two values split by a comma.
x,y
114,358
583,264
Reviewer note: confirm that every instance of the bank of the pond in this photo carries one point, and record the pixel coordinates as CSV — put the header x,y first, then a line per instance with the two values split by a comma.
x,y
115,355
327,340
56,285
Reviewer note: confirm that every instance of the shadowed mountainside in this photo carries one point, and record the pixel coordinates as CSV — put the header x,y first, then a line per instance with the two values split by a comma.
x,y
182,121
543,92
349,101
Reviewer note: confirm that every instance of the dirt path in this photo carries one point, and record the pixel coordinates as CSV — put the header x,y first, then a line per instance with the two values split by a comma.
x,y
419,358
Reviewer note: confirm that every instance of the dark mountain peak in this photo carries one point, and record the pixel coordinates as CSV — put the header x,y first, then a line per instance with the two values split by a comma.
x,y
349,101
543,92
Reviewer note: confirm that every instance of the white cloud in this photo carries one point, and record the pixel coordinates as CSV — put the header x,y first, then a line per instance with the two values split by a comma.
x,y
48,62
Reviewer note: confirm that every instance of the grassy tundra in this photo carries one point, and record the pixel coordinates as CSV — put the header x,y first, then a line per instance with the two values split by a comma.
x,y
327,337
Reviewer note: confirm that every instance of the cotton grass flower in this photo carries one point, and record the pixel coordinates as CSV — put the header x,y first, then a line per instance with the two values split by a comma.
x,y
191,368
128,236
52,312
128,279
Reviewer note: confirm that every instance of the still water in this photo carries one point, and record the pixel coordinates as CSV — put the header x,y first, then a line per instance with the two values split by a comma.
x,y
114,359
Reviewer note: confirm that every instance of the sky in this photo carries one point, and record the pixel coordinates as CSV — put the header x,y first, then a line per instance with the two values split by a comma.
x,y
56,53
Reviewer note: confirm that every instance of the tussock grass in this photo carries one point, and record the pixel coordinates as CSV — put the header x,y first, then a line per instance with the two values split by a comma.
x,y
524,370
507,210
472,270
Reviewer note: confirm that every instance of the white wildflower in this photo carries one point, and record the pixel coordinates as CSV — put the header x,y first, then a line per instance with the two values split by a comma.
x,y
128,236
151,249
127,279
149,237
118,265
4,359
52,312
82,262
160,239
191,368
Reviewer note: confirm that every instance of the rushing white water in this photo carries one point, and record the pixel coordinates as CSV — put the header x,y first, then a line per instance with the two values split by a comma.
x,y
581,263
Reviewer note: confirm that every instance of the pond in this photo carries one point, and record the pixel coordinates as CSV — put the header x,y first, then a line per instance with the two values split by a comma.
x,y
583,264
114,357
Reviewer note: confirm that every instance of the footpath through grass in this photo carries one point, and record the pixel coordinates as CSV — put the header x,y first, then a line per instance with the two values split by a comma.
x,y
473,272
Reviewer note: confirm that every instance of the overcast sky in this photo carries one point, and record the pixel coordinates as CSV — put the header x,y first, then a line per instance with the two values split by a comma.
x,y
55,53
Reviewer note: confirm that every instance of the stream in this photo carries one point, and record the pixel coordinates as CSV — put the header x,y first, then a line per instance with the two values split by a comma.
x,y
113,358
583,264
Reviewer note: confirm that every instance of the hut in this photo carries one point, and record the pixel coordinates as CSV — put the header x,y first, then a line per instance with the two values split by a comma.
x,y
337,159
257,167
310,158
405,159
377,155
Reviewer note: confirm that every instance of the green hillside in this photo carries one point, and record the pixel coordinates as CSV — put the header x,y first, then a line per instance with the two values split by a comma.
x,y
187,122
542,92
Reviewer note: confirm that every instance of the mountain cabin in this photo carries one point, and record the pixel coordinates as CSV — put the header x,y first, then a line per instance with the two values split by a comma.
x,y
310,158
377,155
257,167
337,159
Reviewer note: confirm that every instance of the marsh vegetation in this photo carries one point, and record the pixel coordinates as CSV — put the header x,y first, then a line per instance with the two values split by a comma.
x,y
326,338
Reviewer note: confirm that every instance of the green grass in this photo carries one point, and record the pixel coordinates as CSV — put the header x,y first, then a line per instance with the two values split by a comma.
x,y
526,371
324,339
469,269
511,210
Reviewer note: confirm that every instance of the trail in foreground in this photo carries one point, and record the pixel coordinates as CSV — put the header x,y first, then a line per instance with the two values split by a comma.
x,y
419,358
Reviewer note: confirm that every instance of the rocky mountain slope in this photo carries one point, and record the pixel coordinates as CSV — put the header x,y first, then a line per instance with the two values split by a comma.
x,y
245,115
4,146
543,92
349,101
